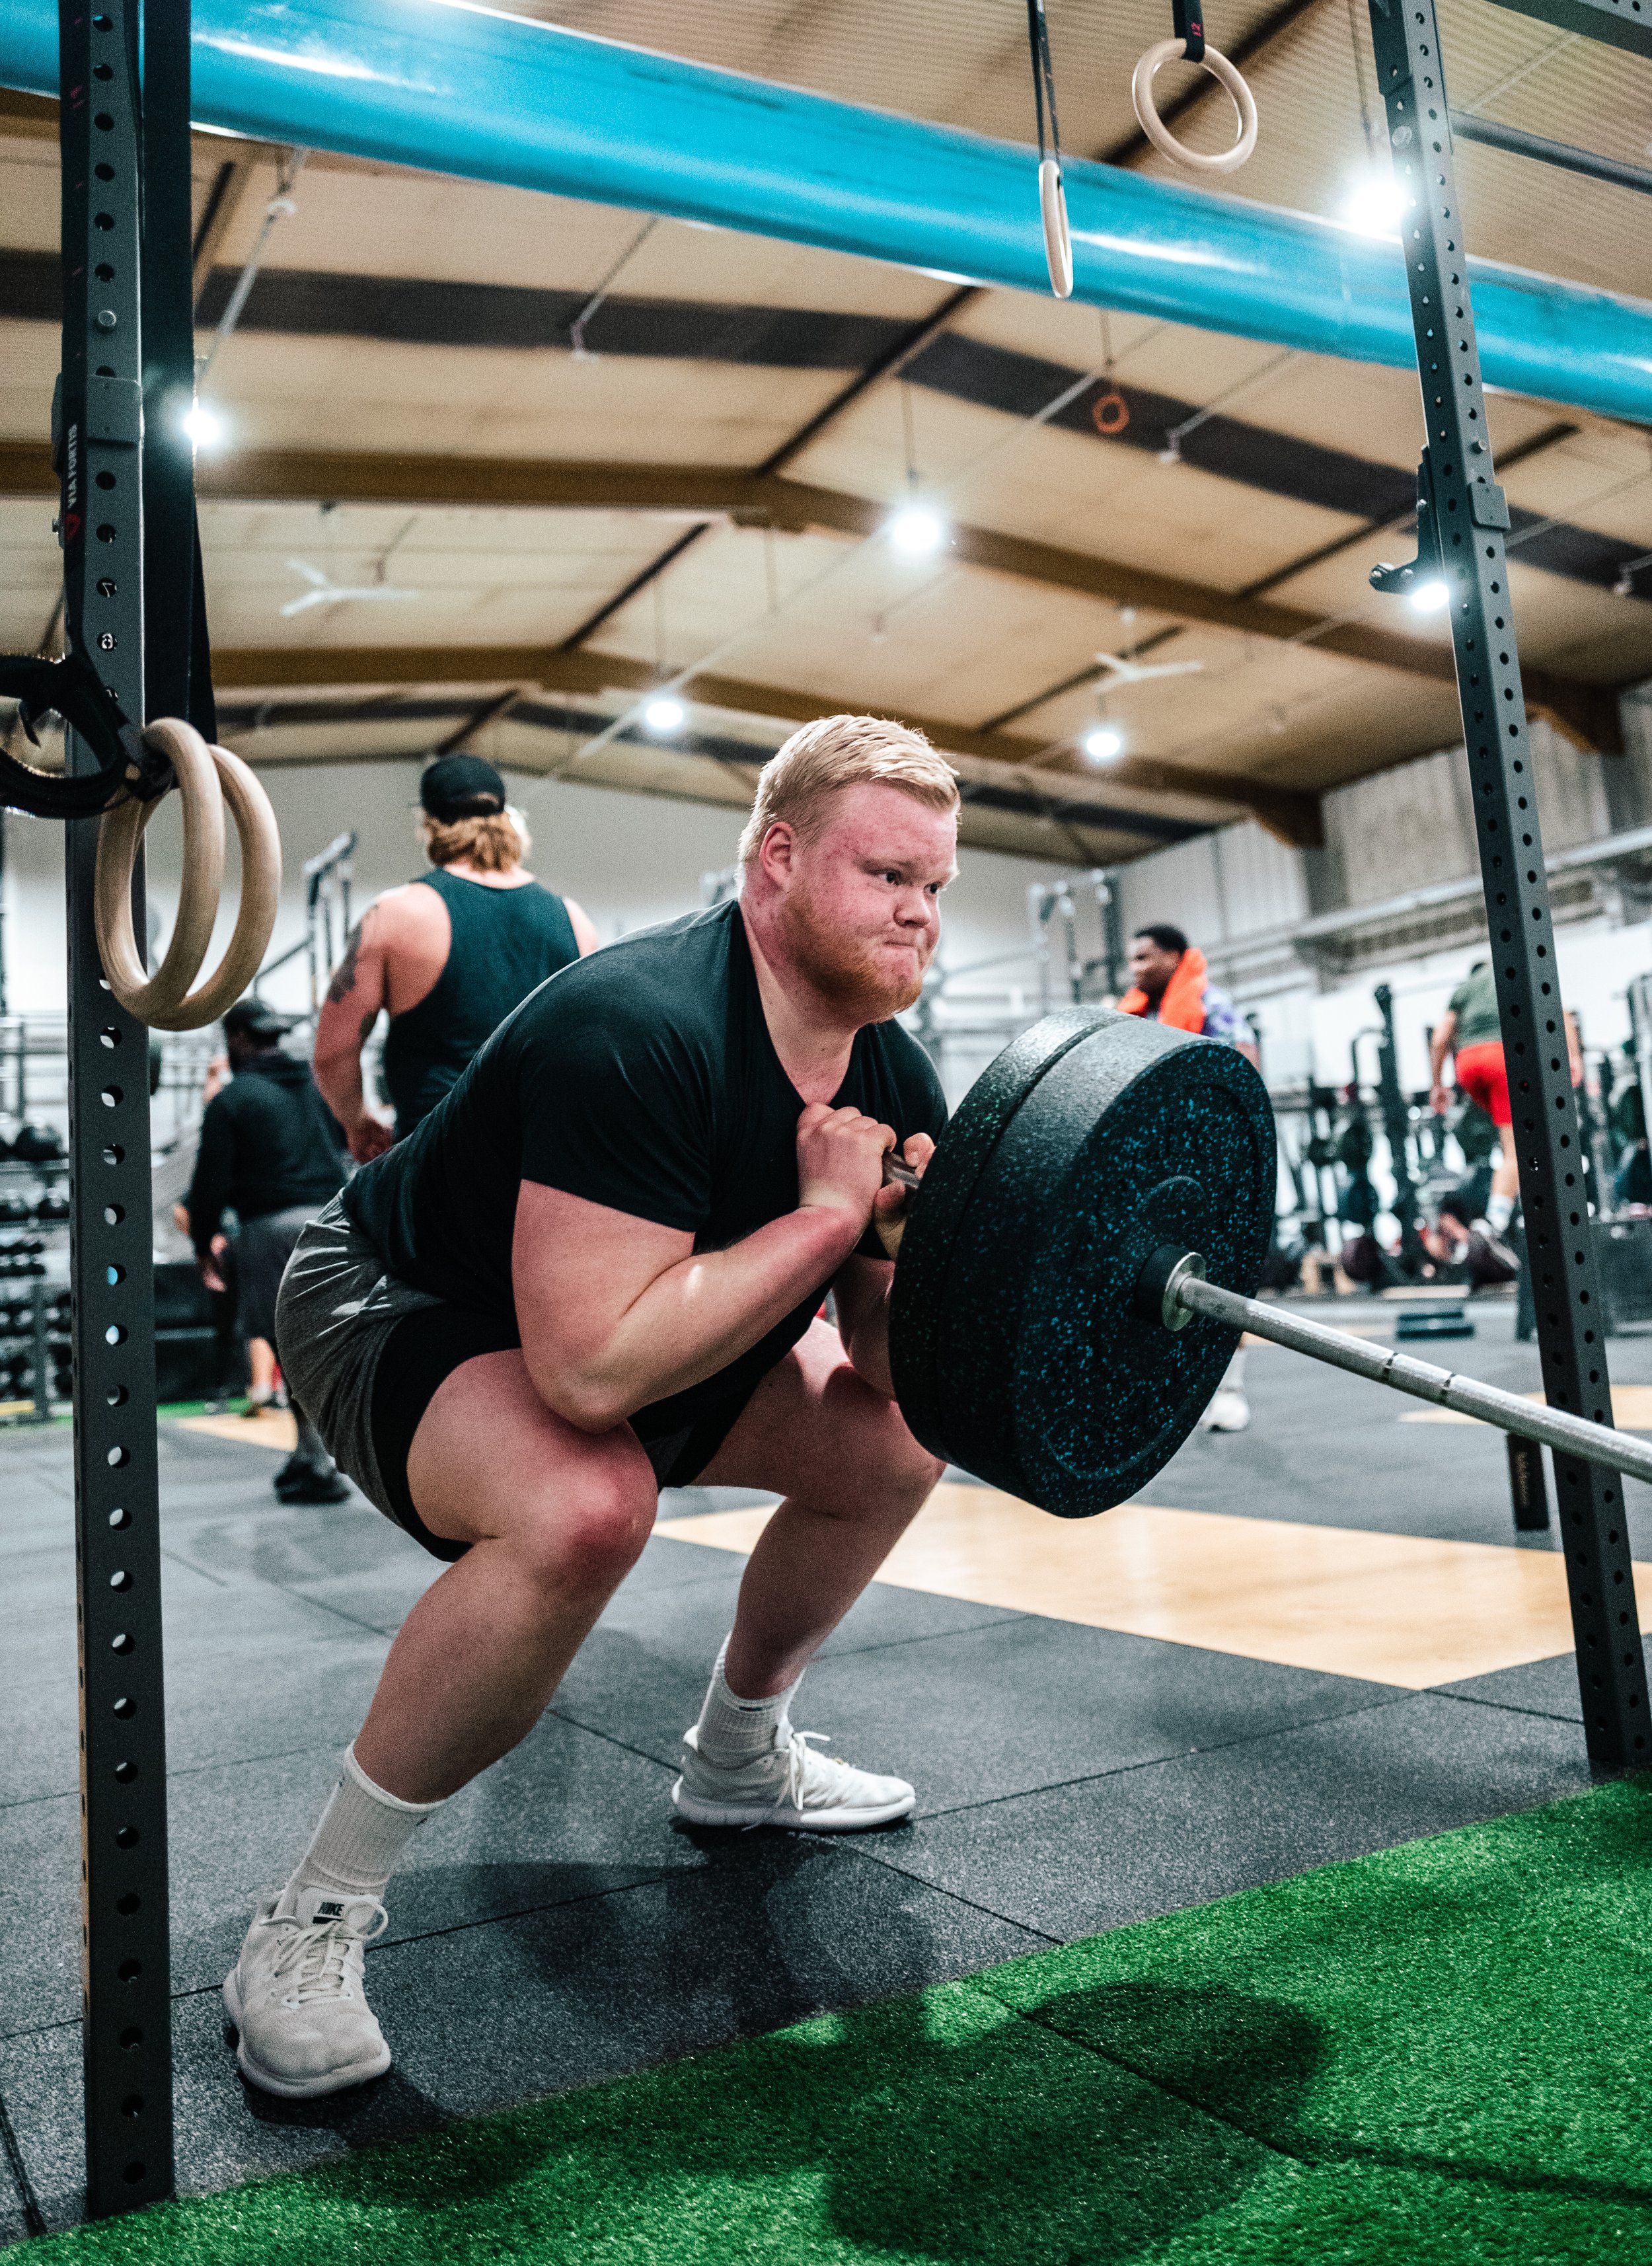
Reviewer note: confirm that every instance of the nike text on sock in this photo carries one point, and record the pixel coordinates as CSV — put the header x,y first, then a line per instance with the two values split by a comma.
x,y
731,1729
362,1831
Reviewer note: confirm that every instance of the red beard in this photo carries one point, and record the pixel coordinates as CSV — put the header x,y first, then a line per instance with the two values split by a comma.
x,y
844,970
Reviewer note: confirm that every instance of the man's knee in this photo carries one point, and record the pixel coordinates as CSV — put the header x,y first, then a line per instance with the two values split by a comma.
x,y
589,1535
907,1466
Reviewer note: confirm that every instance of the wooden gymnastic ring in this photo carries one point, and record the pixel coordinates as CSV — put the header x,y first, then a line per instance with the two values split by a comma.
x,y
153,998
1052,205
260,890
1225,160
260,843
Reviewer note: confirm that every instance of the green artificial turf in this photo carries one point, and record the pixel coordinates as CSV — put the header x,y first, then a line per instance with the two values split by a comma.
x,y
1437,2053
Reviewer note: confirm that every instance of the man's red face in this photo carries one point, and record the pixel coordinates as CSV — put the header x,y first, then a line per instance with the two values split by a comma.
x,y
861,909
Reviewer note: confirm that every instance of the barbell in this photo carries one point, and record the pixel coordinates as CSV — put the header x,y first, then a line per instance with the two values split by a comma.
x,y
1080,1260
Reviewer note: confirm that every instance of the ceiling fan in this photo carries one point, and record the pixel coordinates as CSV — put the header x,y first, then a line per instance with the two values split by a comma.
x,y
324,591
1136,672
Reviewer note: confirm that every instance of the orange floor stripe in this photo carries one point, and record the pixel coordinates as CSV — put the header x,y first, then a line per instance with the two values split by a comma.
x,y
1398,1609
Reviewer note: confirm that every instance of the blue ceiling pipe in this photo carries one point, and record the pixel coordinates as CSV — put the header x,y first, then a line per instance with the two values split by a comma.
x,y
456,89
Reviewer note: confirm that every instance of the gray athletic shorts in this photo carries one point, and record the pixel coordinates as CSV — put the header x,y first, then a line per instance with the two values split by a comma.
x,y
335,1318
262,1249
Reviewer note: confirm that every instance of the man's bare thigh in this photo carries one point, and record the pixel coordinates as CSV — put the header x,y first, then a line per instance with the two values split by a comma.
x,y
812,1430
488,1456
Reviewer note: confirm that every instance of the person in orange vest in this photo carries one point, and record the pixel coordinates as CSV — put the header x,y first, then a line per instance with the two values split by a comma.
x,y
1171,986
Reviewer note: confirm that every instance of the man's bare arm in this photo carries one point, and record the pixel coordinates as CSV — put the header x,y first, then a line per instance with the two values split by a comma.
x,y
862,1287
351,1008
617,1312
584,928
1439,1046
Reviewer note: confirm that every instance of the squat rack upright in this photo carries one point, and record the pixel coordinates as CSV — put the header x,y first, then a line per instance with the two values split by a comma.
x,y
125,162
133,624
1462,519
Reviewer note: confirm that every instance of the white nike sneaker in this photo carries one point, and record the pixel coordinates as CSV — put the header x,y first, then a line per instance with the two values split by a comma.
x,y
1229,1411
297,1995
790,1786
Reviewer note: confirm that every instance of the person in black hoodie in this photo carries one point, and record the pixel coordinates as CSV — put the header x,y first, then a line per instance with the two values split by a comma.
x,y
272,1150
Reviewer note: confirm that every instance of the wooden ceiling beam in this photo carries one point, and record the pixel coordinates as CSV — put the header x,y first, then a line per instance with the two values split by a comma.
x,y
1290,814
416,478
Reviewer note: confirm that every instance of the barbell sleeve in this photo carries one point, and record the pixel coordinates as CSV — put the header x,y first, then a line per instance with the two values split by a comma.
x,y
1187,1293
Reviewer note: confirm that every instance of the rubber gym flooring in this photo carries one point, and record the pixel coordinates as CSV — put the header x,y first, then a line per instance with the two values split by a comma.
x,y
1313,1640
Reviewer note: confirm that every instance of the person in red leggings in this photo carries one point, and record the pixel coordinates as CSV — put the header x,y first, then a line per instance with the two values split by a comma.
x,y
1470,1031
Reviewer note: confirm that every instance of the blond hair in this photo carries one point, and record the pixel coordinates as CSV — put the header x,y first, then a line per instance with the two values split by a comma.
x,y
838,751
492,842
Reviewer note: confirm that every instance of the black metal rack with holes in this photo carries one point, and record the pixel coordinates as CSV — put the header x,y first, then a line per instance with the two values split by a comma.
x,y
126,1964
1462,518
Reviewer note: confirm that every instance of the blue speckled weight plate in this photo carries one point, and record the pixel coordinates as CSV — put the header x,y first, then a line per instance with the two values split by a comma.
x,y
1016,1349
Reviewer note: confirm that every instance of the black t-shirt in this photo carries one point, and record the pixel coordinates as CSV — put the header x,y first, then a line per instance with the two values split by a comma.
x,y
269,1142
642,1078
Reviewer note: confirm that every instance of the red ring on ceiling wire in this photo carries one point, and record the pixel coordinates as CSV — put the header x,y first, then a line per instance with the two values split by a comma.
x,y
1109,412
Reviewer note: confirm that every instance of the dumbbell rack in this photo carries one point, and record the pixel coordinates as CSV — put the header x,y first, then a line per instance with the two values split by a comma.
x,y
34,1322
33,1317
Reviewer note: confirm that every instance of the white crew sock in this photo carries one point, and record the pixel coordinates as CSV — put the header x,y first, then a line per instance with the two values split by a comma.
x,y
1499,1212
731,1729
362,1831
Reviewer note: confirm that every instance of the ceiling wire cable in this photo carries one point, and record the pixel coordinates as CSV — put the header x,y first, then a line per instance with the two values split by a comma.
x,y
1514,77
1373,152
1171,453
576,328
281,206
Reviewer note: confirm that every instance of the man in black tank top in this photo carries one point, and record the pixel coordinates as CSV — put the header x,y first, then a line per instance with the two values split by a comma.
x,y
450,956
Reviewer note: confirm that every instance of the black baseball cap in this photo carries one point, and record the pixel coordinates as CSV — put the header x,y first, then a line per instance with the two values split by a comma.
x,y
255,1018
461,786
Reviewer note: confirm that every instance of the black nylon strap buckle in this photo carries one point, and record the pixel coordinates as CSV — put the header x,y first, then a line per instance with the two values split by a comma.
x,y
72,689
1188,18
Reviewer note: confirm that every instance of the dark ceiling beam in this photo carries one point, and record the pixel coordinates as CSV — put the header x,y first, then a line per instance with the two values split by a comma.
x,y
1534,445
638,582
752,499
889,365
1293,816
224,199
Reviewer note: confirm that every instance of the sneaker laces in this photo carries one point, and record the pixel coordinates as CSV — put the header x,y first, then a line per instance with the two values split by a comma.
x,y
318,1955
801,1759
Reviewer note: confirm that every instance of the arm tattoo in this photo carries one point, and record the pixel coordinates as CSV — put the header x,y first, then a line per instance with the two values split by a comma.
x,y
344,983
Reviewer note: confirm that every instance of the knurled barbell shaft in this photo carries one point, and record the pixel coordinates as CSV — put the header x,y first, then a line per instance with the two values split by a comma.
x,y
1573,1436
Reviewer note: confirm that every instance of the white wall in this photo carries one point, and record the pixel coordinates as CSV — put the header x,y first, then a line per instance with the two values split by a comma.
x,y
630,859
1229,884
1399,831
